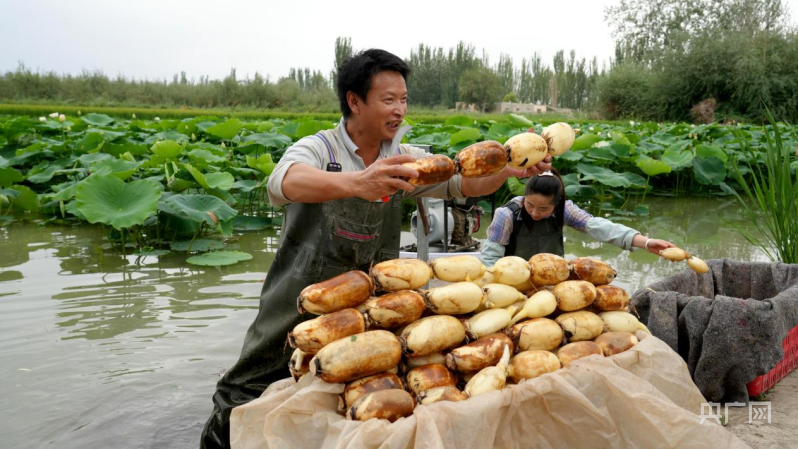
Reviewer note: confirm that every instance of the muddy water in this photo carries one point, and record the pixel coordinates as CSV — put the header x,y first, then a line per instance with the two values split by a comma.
x,y
102,350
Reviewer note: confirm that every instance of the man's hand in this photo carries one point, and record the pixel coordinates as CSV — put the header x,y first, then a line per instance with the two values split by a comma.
x,y
383,178
528,172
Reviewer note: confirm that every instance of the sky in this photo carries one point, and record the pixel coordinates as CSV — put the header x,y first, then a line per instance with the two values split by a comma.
x,y
155,39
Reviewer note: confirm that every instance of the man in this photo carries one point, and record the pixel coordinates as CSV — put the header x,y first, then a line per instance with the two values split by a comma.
x,y
343,190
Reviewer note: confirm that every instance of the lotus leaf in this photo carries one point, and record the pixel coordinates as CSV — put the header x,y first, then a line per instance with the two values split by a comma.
x,y
465,135
117,167
9,176
197,245
246,185
705,151
199,208
97,119
267,140
109,200
167,149
585,141
247,223
218,258
226,130
460,120
26,200
264,126
677,159
89,143
220,180
205,157
43,175
263,163
437,140
603,175
519,120
709,170
652,167
308,128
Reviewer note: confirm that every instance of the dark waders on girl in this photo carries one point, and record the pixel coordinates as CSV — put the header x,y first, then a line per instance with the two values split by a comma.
x,y
530,237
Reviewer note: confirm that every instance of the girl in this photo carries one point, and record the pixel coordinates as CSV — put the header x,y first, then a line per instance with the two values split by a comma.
x,y
533,224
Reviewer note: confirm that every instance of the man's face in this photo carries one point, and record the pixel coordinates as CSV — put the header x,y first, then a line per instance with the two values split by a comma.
x,y
386,104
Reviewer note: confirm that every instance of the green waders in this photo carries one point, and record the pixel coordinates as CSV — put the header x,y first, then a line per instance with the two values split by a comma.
x,y
319,241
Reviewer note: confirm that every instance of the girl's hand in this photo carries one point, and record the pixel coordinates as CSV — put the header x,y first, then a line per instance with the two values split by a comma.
x,y
654,246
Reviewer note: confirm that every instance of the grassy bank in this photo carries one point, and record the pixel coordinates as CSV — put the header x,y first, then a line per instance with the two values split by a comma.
x,y
418,115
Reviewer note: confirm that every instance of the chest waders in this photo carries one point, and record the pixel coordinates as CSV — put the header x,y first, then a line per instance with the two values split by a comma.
x,y
319,241
544,237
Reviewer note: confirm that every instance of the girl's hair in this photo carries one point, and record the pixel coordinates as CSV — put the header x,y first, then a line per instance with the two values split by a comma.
x,y
551,187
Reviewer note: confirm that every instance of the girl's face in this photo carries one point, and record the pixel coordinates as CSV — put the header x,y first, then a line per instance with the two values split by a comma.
x,y
539,206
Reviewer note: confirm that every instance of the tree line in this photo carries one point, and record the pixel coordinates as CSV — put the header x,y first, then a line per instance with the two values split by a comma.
x,y
674,60
439,79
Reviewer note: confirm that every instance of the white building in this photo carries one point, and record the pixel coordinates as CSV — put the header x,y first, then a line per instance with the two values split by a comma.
x,y
505,107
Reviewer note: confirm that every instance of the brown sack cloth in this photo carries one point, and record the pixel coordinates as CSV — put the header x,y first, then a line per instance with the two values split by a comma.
x,y
643,397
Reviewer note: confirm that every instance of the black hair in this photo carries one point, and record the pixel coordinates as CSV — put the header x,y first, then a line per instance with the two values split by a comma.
x,y
550,187
354,75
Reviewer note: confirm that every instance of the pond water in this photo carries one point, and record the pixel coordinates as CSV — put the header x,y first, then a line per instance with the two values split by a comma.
x,y
103,350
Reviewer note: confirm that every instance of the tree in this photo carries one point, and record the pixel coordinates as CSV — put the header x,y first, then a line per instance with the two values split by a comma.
x,y
506,73
480,86
645,29
343,50
425,85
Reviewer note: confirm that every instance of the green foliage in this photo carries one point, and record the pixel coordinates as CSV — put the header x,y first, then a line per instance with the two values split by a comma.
x,y
770,196
107,199
479,86
673,54
42,169
627,91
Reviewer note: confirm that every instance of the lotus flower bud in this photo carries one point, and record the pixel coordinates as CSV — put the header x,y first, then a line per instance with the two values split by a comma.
x,y
62,118
42,119
54,115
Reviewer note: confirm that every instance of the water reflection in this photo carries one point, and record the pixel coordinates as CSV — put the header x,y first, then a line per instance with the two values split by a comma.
x,y
116,346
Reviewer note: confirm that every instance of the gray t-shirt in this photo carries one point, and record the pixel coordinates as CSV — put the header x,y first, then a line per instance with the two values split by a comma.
x,y
336,145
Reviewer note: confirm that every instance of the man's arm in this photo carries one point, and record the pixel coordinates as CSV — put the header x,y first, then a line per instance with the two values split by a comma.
x,y
305,184
473,187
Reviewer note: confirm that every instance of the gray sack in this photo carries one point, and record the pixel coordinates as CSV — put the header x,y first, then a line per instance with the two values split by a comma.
x,y
727,324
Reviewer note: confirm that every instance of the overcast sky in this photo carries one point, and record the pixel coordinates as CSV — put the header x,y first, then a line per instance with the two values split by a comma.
x,y
155,39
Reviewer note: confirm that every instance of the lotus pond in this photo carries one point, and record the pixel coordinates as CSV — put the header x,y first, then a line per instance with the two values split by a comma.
x,y
114,334
160,186
104,350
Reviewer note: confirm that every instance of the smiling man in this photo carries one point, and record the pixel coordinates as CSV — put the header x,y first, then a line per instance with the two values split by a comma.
x,y
343,190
